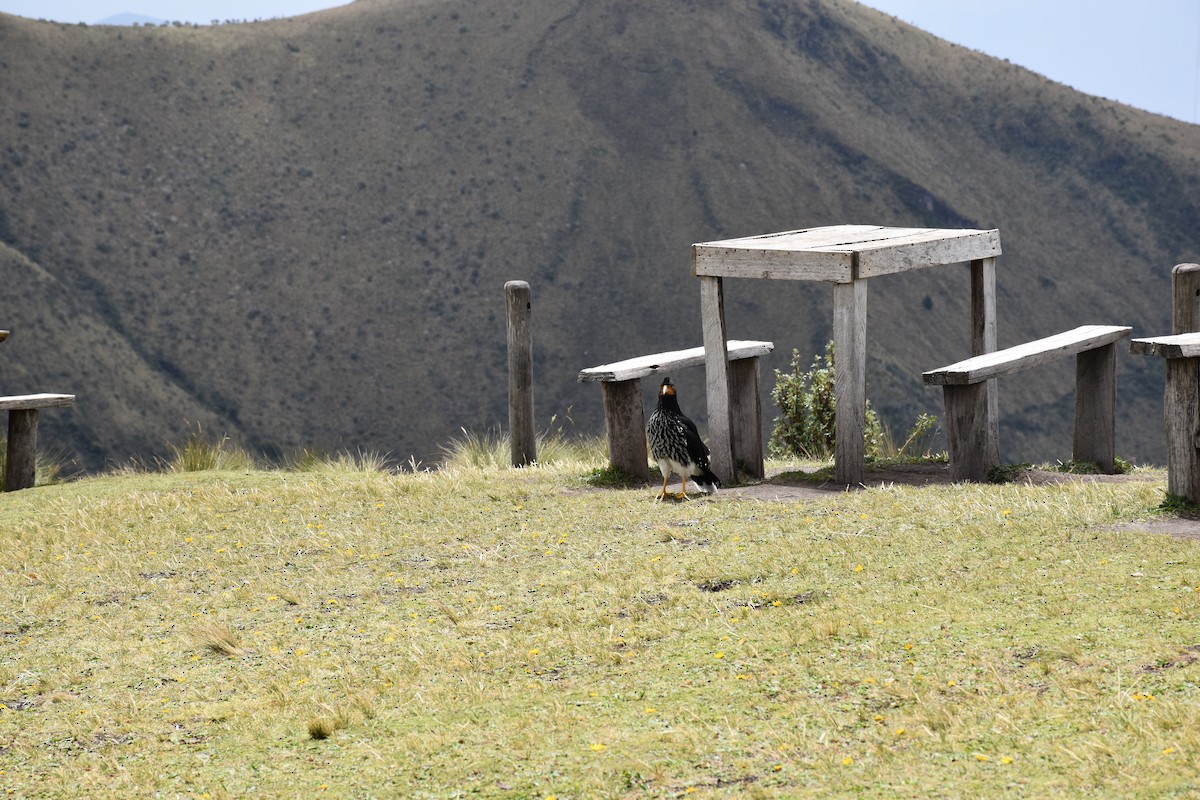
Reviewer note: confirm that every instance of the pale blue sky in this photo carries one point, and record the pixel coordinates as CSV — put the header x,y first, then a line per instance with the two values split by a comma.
x,y
1146,54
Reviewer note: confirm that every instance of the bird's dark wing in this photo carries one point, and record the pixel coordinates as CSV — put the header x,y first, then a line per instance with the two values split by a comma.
x,y
688,425
696,448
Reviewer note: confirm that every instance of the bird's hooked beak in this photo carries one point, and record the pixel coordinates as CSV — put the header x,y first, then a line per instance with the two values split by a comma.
x,y
667,389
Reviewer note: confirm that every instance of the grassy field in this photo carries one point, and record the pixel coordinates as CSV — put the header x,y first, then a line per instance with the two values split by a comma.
x,y
520,634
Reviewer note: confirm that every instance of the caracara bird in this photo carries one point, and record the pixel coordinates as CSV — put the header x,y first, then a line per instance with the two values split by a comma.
x,y
676,445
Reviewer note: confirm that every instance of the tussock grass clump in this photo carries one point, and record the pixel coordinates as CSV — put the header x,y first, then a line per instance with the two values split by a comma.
x,y
199,452
328,723
364,461
494,449
51,464
219,639
517,633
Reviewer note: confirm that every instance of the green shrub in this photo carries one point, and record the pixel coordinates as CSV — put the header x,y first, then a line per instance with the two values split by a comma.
x,y
917,445
805,426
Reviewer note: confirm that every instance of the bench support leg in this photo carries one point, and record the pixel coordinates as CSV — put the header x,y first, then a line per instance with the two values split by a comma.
x,y
717,380
973,451
850,380
625,423
1181,407
747,417
1095,399
20,465
983,336
1181,404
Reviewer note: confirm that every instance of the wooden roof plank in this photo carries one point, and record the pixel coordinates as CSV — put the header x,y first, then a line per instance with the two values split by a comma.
x,y
917,252
841,253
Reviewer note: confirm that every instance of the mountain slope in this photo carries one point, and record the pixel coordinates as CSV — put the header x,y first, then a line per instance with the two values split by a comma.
x,y
302,227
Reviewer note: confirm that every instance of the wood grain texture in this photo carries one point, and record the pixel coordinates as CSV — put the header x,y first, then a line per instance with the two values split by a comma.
x,y
1023,356
1185,298
771,265
983,306
971,414
1181,414
716,377
1179,345
1094,433
983,337
841,253
927,249
747,418
20,402
642,366
972,452
849,380
625,425
20,466
519,313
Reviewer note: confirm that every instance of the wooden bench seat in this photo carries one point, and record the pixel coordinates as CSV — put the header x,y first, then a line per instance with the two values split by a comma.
x,y
624,414
974,450
20,465
1179,345
1181,406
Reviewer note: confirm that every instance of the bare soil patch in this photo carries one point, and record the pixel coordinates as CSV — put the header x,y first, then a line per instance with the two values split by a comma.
x,y
781,486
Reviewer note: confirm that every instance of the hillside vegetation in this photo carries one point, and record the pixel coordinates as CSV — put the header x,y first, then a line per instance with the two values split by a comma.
x,y
297,231
518,634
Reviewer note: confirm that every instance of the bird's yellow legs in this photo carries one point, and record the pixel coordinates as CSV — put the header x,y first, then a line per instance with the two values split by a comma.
x,y
681,496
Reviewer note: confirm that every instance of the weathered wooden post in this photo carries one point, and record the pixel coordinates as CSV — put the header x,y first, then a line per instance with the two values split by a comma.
x,y
850,380
1185,298
716,376
983,340
1181,397
1181,404
746,410
520,373
20,466
1094,436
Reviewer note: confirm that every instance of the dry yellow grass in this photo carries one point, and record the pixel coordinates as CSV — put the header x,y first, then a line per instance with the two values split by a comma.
x,y
517,634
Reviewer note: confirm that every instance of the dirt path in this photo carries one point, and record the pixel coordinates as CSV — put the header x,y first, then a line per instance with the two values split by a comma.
x,y
779,488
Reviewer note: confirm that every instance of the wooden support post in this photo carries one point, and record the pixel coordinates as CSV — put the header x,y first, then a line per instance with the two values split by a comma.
x,y
520,373
983,339
973,452
20,466
747,417
1181,408
716,376
625,424
850,380
1094,438
1181,399
1185,298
